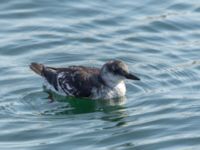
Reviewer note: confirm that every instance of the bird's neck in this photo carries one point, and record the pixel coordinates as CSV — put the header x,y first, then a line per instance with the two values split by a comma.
x,y
109,88
111,81
116,89
114,84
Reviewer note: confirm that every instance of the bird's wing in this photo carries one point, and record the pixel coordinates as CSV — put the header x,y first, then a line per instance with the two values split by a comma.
x,y
74,80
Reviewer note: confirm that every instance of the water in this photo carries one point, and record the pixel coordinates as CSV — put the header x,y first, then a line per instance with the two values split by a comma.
x,y
159,40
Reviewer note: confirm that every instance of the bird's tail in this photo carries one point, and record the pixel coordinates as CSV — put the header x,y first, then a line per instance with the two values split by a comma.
x,y
37,68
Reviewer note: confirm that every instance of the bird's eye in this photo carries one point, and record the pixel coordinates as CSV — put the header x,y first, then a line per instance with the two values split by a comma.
x,y
118,71
123,72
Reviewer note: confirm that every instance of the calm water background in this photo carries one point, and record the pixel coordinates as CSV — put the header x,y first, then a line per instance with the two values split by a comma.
x,y
158,39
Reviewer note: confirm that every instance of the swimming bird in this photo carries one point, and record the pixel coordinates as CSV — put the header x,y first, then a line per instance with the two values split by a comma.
x,y
106,82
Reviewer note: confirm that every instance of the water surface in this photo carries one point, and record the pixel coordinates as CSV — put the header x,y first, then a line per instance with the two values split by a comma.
x,y
159,40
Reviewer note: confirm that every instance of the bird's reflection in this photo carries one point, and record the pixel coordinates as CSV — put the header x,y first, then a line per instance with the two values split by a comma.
x,y
114,110
74,105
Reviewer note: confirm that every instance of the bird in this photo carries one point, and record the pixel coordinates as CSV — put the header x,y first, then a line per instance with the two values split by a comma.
x,y
106,82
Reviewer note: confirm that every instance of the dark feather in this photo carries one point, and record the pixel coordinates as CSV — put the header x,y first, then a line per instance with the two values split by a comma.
x,y
74,80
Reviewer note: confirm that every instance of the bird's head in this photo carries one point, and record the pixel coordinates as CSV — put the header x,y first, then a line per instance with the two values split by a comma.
x,y
115,71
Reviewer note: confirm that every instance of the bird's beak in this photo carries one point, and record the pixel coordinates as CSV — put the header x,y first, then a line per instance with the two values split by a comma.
x,y
131,76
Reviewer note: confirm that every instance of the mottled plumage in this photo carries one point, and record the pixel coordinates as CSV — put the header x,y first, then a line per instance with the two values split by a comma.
x,y
80,81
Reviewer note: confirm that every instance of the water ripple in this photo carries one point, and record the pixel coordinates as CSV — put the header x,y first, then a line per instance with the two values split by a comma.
x,y
159,40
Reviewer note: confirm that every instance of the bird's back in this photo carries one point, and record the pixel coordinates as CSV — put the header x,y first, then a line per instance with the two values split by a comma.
x,y
70,81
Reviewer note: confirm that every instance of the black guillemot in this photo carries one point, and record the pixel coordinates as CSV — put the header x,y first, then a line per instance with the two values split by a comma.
x,y
79,81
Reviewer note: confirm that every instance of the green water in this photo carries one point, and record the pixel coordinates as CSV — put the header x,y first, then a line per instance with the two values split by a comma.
x,y
158,39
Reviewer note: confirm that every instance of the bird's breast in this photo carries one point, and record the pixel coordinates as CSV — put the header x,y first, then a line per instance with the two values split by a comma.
x,y
106,92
